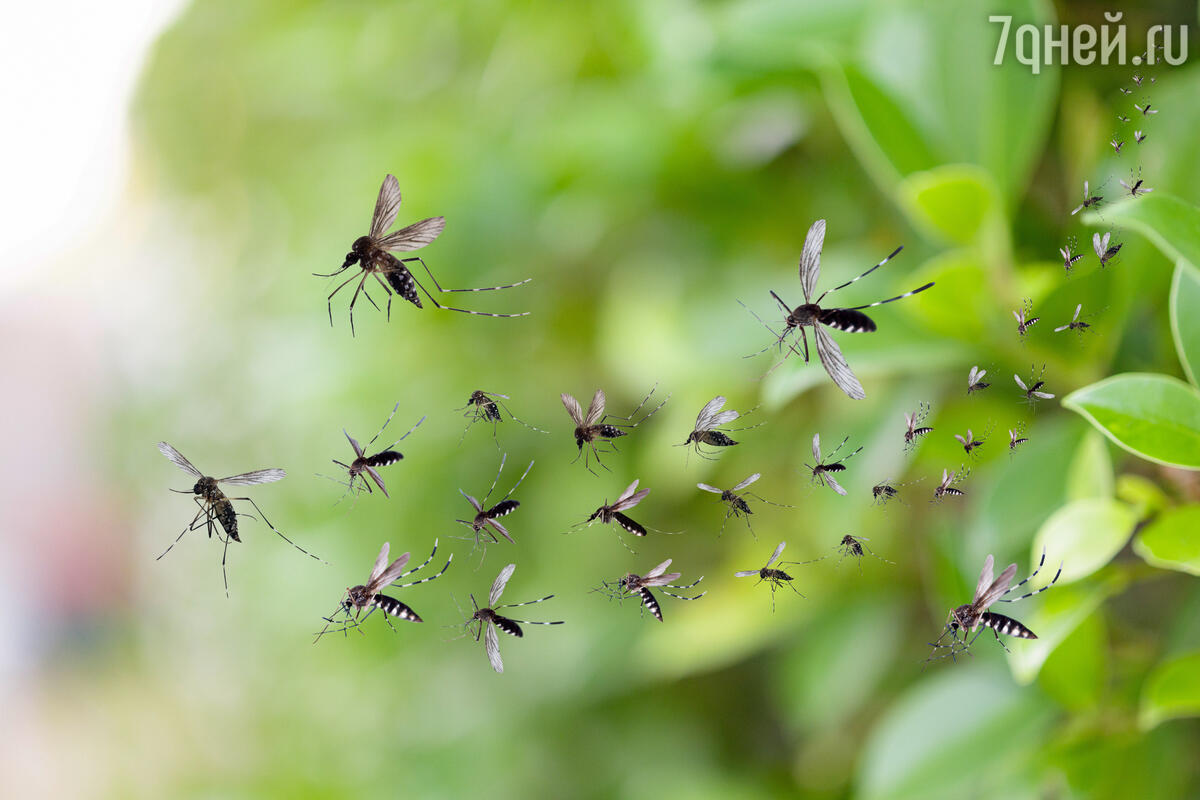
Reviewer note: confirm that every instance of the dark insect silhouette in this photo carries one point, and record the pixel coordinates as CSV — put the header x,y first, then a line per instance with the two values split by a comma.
x,y
1023,318
822,470
373,254
1116,145
969,442
486,520
1016,437
1125,90
975,380
216,508
594,426
1103,251
1069,255
487,406
1139,137
1122,118
1076,324
775,578
885,491
708,420
948,485
609,513
1089,200
489,620
367,597
364,466
1033,391
1136,188
974,616
853,546
1146,110
1137,80
639,585
812,315
913,427
737,505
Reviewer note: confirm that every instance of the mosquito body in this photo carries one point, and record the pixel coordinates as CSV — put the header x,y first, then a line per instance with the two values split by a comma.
x,y
487,406
1122,118
1125,90
1139,137
594,427
812,315
1116,145
1146,109
852,546
885,491
1033,391
1076,324
1137,187
948,487
708,420
1023,318
774,577
367,597
216,508
1069,256
1016,438
1137,80
1103,251
612,512
969,442
1089,200
737,505
373,255
822,470
639,585
975,381
974,616
489,618
486,521
913,427
364,466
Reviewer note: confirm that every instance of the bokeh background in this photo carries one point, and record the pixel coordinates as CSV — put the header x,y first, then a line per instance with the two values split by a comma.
x,y
648,165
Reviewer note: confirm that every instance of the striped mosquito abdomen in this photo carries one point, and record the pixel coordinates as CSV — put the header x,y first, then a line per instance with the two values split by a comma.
x,y
1006,625
847,320
383,459
394,608
398,277
650,602
714,438
503,507
628,524
491,411
223,509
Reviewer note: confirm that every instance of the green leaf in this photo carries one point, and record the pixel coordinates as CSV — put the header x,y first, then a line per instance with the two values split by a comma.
x,y
1172,691
1152,416
1173,225
1084,535
1143,494
1076,672
1172,540
1091,472
1185,317
950,202
1060,614
954,307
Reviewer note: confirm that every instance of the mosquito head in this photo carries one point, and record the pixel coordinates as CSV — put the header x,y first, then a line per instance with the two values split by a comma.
x,y
205,487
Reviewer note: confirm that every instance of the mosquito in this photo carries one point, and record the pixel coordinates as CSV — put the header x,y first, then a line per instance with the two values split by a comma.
x,y
775,578
1139,137
1089,200
367,597
1136,189
1103,251
914,428
371,253
1125,90
1146,110
1116,145
821,469
969,442
1033,391
1024,321
811,314
486,406
853,546
609,513
634,584
708,420
975,381
738,507
489,620
216,507
1016,437
948,486
486,520
1122,118
1076,324
967,619
593,427
885,491
1137,80
1069,256
365,465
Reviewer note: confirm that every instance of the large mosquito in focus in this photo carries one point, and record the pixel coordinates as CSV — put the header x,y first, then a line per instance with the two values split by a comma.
x,y
364,465
810,314
611,512
975,381
371,254
1033,391
775,577
913,427
486,520
973,616
634,584
1103,251
489,620
486,406
217,507
738,507
594,426
821,470
708,420
367,597
1089,200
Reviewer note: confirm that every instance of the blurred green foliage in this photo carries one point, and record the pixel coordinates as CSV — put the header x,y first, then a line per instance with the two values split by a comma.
x,y
649,164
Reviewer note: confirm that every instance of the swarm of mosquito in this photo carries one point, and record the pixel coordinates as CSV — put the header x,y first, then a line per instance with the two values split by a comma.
x,y
822,470
594,426
735,500
705,432
486,406
639,585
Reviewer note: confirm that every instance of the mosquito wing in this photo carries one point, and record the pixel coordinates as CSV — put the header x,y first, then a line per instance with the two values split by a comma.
x,y
381,561
1043,395
835,364
661,580
1100,245
471,500
596,409
358,451
833,484
810,259
985,575
707,417
708,488
659,570
997,589
491,643
375,476
776,554
387,206
1020,383
389,575
628,493
961,440
746,573
573,409
415,236
623,503
258,476
817,447
747,482
177,459
498,585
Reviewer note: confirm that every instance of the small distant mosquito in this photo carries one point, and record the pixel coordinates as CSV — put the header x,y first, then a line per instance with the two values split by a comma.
x,y
367,596
609,513
708,420
966,619
738,507
1125,90
948,484
489,620
1069,254
371,253
1089,200
885,491
1116,145
1032,390
1136,189
1103,251
1122,118
914,429
488,518
1023,318
775,578
1016,437
1076,324
975,381
1137,79
821,469
593,426
853,546
968,442
634,584
812,315
1139,137
368,464
216,507
1146,110
486,406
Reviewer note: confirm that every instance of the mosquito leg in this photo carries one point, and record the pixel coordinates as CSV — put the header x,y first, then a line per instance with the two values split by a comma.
x,y
388,291
446,291
329,300
438,305
191,527
280,535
